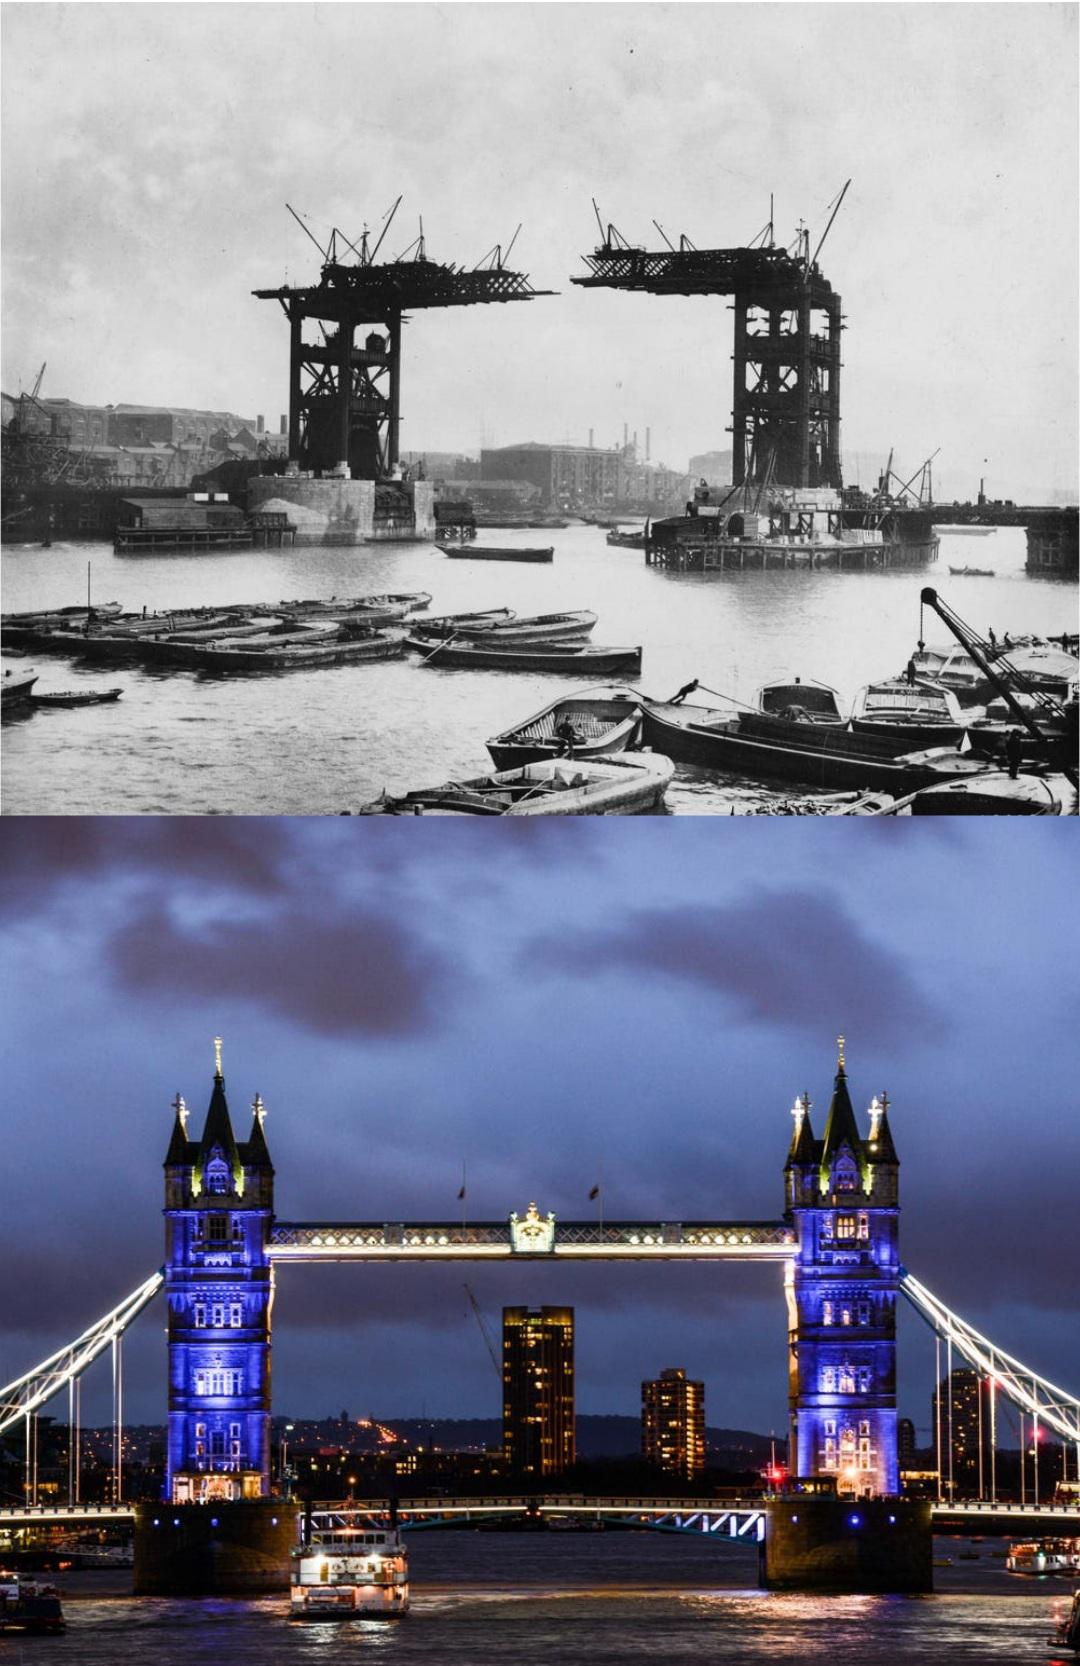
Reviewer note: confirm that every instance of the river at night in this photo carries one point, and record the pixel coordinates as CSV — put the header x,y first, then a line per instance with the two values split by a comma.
x,y
323,741
556,1599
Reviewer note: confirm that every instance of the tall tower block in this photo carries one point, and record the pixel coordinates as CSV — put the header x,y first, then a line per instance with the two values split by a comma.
x,y
219,1198
842,1198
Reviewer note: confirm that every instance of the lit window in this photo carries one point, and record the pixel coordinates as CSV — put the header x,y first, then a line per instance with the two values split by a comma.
x,y
864,1226
846,1382
236,1315
828,1379
826,1313
845,1226
200,1315
217,1314
845,1315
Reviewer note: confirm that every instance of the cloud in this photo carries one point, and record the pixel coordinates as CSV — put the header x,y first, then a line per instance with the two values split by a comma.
x,y
358,973
792,958
44,854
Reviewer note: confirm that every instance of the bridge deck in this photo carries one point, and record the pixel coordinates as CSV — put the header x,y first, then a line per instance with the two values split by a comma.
x,y
532,1238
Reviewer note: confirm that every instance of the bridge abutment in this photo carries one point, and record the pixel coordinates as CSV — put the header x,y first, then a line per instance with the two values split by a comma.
x,y
862,1546
224,1548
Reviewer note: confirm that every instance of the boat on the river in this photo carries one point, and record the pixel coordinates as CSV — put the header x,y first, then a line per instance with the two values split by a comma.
x,y
76,697
378,610
580,725
15,687
964,531
947,665
815,701
819,755
972,572
622,784
350,1572
29,1605
498,552
1044,1556
537,627
628,540
995,793
572,657
918,713
1067,1630
462,624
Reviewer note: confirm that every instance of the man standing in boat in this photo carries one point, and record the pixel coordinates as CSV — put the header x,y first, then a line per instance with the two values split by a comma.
x,y
1013,748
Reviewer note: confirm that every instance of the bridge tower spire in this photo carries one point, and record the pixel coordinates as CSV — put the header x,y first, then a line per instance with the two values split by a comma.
x,y
219,1199
842,1198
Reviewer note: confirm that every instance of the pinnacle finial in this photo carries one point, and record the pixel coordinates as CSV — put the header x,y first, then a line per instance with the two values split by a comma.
x,y
259,1108
217,1056
181,1110
798,1111
840,1052
876,1108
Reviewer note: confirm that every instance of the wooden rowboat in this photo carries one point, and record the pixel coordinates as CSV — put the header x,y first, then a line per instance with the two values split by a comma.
x,y
77,697
621,785
497,552
537,627
580,725
572,657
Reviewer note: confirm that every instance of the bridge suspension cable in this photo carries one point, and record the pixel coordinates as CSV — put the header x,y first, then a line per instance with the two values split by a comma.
x,y
1029,1391
19,1399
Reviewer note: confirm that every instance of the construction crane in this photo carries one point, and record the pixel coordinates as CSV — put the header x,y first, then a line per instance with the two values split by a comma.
x,y
484,1332
1058,749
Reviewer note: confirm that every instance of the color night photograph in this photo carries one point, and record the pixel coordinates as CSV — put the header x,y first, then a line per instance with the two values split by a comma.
x,y
558,1245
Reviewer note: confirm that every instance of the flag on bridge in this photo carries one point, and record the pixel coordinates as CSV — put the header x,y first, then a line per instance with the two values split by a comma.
x,y
594,1194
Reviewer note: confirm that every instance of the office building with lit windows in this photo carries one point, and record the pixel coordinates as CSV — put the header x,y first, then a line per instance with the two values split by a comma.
x,y
961,1418
673,1423
538,1389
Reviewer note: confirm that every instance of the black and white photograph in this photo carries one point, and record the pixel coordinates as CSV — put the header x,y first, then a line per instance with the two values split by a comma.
x,y
540,409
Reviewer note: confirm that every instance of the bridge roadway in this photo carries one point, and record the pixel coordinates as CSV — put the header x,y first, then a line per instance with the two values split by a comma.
x,y
532,1237
730,1518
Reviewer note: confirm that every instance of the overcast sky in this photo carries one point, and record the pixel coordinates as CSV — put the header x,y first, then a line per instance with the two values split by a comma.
x,y
634,1004
149,151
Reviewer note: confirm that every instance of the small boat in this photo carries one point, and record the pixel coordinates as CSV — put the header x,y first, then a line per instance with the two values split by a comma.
x,y
581,725
920,713
801,701
76,697
29,1605
994,793
627,540
1067,1630
378,610
950,666
350,1573
15,687
570,657
538,627
624,784
497,552
462,624
972,572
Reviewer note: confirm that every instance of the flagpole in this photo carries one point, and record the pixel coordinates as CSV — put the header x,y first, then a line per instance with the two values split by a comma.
x,y
462,1196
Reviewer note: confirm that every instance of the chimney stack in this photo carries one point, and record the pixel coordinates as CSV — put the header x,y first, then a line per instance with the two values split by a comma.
x,y
284,425
590,439
260,425
648,444
625,435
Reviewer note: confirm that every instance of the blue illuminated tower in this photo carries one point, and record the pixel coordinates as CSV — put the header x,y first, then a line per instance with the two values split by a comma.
x,y
219,1198
842,1289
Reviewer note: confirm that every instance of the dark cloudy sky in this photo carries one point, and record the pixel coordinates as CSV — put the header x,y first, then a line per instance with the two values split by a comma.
x,y
553,1003
150,149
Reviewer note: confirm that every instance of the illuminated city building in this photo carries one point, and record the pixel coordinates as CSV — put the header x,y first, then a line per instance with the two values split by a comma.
x,y
538,1389
218,1288
673,1423
961,1419
841,1195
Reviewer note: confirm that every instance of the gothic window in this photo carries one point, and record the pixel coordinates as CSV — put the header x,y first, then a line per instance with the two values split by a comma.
x,y
217,1443
830,1425
827,1227
237,1229
864,1379
845,1176
218,1229
214,1380
846,1382
845,1226
217,1314
830,1453
200,1315
864,1226
845,1314
828,1379
217,1176
236,1315
864,1430
863,1313
827,1313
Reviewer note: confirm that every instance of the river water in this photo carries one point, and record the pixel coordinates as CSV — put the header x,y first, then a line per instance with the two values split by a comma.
x,y
609,1599
319,742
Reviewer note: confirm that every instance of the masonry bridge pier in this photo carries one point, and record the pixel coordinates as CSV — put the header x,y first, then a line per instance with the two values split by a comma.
x,y
843,1525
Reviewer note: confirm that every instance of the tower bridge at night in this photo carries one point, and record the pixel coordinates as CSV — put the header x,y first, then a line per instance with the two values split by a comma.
x,y
836,1243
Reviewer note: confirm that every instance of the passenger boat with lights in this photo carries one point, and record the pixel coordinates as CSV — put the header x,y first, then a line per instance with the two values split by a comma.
x,y
29,1605
1044,1556
351,1572
1067,1631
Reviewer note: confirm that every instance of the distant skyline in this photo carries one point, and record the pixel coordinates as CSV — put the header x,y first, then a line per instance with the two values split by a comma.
x,y
563,1006
150,151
